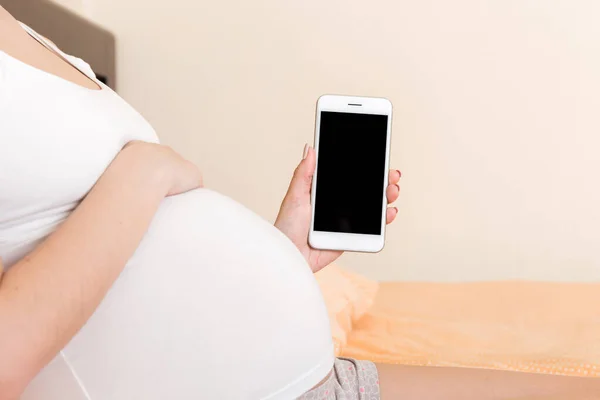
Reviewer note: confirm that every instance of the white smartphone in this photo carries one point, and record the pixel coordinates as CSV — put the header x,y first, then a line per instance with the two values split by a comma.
x,y
352,143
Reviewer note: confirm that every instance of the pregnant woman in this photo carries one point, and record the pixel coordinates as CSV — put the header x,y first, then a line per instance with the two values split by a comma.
x,y
122,278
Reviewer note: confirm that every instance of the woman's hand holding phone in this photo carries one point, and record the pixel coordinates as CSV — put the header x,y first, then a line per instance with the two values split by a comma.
x,y
295,214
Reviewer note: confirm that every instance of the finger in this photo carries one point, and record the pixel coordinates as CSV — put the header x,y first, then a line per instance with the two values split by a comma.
x,y
391,214
302,180
392,192
394,176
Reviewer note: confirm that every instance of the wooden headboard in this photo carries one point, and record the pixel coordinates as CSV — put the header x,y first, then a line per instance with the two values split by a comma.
x,y
72,33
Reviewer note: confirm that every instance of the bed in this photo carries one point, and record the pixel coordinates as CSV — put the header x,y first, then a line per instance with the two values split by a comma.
x,y
538,327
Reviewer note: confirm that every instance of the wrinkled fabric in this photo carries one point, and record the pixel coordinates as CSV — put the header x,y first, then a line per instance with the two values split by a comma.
x,y
541,327
349,380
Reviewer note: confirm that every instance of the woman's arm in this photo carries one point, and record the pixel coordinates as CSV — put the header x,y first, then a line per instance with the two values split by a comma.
x,y
47,297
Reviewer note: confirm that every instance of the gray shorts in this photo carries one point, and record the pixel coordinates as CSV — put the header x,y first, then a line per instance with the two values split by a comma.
x,y
349,380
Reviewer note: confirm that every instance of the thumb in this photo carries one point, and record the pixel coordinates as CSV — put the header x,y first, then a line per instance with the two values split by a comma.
x,y
303,175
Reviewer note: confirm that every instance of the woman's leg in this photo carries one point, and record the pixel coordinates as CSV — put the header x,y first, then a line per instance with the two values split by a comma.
x,y
350,379
429,383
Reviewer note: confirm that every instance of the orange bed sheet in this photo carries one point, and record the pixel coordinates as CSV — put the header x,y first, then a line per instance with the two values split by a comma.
x,y
520,326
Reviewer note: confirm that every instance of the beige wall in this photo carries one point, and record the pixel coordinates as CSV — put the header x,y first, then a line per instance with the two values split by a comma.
x,y
497,125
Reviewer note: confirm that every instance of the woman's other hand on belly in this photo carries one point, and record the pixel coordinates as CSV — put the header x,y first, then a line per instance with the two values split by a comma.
x,y
295,213
179,174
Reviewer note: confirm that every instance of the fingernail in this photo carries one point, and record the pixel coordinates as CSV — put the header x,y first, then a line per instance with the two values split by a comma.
x,y
399,173
306,147
396,208
398,186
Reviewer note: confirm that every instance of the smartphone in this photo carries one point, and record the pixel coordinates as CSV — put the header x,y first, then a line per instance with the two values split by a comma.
x,y
352,143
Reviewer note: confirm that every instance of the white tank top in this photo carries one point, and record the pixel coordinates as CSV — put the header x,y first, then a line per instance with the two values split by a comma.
x,y
56,139
215,303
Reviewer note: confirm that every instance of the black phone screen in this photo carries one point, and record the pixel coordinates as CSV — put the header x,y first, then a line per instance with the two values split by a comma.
x,y
350,173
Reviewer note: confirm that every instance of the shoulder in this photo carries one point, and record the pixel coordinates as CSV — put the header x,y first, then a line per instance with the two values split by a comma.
x,y
50,42
77,62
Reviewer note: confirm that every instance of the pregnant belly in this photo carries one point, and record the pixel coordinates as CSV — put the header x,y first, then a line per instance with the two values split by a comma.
x,y
215,304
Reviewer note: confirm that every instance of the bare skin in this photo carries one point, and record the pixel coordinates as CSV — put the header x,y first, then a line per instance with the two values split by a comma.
x,y
46,297
17,43
432,383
